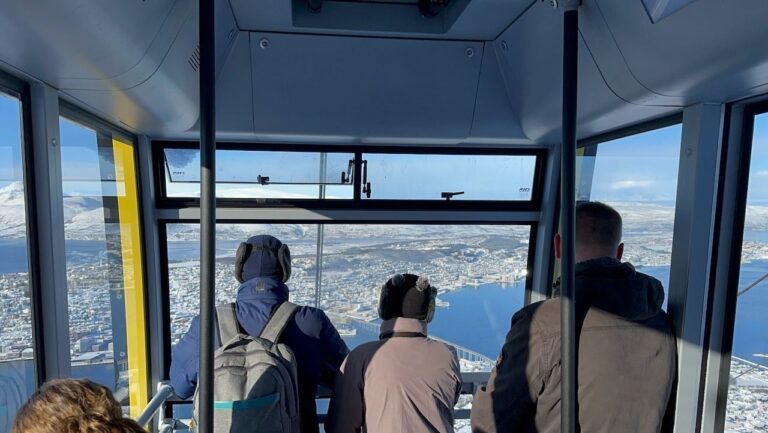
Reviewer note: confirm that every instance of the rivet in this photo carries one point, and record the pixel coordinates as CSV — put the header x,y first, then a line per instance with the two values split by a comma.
x,y
469,52
53,141
264,43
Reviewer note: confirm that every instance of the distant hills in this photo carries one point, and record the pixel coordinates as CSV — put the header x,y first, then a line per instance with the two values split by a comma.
x,y
84,220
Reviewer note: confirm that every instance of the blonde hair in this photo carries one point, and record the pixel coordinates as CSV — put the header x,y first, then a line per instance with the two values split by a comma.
x,y
72,406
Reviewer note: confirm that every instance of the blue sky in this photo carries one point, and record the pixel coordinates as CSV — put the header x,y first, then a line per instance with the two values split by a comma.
x,y
642,167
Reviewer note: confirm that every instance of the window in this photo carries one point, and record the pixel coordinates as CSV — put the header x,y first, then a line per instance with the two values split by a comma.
x,y
17,366
183,255
480,272
261,174
638,176
747,409
449,177
347,172
104,262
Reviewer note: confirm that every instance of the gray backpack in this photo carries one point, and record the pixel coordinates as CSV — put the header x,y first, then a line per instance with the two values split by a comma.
x,y
255,387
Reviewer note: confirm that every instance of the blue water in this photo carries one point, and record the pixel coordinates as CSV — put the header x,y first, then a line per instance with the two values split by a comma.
x,y
477,318
14,253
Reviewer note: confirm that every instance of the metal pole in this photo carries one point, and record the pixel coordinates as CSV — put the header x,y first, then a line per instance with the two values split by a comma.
x,y
320,234
207,213
569,413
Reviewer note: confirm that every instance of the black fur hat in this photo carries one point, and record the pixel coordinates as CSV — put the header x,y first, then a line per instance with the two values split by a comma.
x,y
409,296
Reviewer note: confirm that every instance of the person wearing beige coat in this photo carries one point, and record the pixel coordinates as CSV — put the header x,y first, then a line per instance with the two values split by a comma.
x,y
404,382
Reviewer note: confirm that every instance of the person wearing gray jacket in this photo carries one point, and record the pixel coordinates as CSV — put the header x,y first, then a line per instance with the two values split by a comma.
x,y
404,382
627,353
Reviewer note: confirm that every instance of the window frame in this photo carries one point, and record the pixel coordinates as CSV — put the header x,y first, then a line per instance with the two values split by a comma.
x,y
590,146
721,324
165,202
101,127
20,89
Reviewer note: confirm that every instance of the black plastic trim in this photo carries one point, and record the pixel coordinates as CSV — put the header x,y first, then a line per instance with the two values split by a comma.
x,y
634,129
21,89
737,240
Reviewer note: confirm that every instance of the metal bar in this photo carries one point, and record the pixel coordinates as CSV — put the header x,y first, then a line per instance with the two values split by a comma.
x,y
737,150
691,269
383,216
49,225
151,250
320,235
546,229
569,349
253,182
207,212
358,176
164,390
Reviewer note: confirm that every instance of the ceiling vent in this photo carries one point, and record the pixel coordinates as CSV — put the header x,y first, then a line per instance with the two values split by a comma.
x,y
194,59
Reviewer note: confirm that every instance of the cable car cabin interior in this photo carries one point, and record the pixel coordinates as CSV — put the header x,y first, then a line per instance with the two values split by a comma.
x,y
142,141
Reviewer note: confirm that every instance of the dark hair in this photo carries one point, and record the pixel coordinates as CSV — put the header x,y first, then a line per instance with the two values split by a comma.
x,y
597,224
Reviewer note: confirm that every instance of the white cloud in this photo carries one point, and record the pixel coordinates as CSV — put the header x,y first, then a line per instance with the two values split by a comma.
x,y
632,184
762,173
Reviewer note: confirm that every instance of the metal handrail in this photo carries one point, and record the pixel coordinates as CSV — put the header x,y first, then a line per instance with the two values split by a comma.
x,y
164,391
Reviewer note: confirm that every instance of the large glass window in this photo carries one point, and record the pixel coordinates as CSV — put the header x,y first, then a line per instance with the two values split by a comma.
x,y
480,272
638,176
261,174
17,366
449,177
104,262
747,409
244,173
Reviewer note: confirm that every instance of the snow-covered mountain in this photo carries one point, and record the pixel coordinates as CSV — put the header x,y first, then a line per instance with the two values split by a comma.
x,y
83,216
12,222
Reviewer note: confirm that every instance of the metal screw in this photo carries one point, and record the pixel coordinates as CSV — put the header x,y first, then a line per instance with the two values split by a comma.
x,y
264,43
469,52
504,45
53,141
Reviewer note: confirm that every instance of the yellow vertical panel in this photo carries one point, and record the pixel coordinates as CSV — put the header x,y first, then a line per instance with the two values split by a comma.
x,y
133,275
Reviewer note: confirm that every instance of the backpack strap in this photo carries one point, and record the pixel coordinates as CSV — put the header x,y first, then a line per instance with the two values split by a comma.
x,y
226,323
278,322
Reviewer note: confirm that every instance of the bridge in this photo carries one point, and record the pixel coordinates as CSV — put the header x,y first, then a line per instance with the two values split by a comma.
x,y
462,352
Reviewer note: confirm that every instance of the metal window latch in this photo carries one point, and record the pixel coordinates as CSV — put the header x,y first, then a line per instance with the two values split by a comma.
x,y
366,184
449,195
262,180
346,177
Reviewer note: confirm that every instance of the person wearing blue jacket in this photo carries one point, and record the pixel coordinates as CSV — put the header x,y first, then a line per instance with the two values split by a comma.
x,y
262,266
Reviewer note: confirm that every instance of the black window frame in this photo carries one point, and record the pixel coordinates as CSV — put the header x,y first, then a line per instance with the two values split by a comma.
x,y
534,204
21,89
751,111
